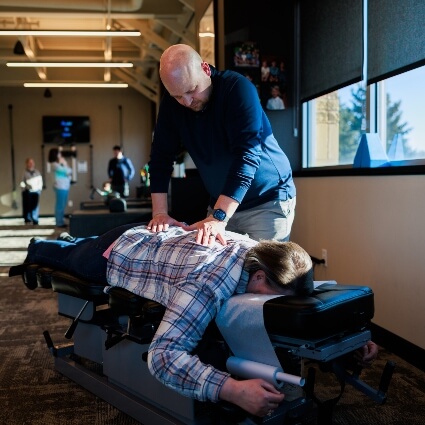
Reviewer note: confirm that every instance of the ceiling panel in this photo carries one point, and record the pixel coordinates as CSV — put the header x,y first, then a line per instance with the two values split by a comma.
x,y
161,23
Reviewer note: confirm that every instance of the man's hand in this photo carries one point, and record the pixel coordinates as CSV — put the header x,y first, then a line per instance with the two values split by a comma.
x,y
209,230
162,221
256,396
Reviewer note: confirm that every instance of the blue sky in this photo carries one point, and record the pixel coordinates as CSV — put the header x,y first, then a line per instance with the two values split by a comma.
x,y
409,88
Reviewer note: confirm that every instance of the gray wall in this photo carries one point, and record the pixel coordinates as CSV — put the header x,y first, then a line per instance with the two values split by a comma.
x,y
102,106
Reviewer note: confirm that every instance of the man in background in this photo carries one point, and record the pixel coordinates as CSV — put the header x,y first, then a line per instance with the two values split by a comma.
x,y
32,185
120,172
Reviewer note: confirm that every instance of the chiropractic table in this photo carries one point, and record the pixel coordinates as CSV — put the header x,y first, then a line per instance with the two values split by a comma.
x,y
273,337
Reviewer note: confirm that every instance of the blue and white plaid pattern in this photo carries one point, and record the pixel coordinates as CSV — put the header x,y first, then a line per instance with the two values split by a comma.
x,y
192,281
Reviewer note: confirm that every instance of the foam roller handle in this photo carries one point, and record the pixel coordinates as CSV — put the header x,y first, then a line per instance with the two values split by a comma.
x,y
252,370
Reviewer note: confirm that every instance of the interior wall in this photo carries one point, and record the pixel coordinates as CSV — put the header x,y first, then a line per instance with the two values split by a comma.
x,y
278,42
112,112
373,230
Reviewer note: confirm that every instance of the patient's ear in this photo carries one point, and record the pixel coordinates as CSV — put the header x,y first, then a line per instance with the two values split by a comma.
x,y
259,276
257,282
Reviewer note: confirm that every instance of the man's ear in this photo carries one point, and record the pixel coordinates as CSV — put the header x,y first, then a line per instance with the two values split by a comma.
x,y
206,68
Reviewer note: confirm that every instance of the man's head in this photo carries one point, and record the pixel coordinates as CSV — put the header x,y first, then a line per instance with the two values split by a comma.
x,y
117,151
107,186
279,268
29,164
186,76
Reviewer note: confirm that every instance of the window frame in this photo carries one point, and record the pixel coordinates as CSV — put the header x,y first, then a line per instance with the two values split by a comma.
x,y
390,46
375,123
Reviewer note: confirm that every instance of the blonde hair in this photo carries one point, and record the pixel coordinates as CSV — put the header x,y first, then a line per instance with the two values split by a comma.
x,y
285,264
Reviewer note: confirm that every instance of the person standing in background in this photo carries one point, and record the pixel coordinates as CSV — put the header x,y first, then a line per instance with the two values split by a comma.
x,y
62,183
32,185
120,172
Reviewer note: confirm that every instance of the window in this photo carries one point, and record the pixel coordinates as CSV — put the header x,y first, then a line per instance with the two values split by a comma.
x,y
206,35
392,108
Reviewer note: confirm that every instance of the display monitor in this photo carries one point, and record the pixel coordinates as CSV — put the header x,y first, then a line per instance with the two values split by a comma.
x,y
66,129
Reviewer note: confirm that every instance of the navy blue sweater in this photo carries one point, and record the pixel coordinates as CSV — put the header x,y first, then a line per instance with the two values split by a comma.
x,y
230,141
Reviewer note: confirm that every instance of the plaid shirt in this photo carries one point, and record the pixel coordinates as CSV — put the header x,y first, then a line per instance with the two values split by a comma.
x,y
192,281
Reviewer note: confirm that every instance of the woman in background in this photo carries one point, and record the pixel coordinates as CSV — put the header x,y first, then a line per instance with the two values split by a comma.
x,y
62,183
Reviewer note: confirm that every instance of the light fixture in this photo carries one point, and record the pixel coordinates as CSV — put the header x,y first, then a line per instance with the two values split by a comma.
x,y
86,85
19,49
73,33
206,34
47,93
69,64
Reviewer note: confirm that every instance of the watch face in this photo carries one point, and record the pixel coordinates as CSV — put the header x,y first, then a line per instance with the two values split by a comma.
x,y
219,215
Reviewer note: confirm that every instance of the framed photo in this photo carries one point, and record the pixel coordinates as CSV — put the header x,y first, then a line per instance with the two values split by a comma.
x,y
246,54
273,83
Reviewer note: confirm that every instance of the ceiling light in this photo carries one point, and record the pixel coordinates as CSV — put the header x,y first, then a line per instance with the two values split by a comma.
x,y
87,85
206,34
70,64
71,33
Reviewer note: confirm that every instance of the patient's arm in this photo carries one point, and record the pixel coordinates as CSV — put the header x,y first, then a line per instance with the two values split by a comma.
x,y
256,396
170,360
188,314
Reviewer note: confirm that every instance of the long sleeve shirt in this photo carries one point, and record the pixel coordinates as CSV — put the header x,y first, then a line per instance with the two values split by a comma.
x,y
231,143
120,170
192,281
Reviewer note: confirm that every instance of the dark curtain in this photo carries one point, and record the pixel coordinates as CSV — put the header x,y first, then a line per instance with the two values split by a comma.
x,y
331,42
330,45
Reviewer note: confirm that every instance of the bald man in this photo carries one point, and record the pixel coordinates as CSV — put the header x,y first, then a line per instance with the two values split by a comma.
x,y
218,118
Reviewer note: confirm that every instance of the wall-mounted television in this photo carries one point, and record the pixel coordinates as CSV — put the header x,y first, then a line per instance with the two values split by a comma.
x,y
66,129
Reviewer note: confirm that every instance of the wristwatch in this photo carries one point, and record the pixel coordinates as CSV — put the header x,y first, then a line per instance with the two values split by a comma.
x,y
220,215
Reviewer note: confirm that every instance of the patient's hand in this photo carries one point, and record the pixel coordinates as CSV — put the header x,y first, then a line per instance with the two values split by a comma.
x,y
256,396
367,354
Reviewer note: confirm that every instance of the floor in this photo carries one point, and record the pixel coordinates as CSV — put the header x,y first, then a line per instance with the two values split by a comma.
x,y
15,236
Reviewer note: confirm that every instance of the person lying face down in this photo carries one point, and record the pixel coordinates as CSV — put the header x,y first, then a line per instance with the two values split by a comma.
x,y
195,282
192,281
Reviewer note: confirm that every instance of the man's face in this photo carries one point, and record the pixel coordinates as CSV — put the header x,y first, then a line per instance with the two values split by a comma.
x,y
191,87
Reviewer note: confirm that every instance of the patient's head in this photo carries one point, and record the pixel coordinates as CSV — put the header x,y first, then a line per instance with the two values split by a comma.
x,y
279,268
106,186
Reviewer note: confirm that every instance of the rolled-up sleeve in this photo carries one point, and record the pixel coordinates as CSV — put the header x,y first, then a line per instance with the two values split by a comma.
x,y
169,359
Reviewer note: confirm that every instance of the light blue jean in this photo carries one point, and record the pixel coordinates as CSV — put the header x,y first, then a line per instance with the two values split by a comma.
x,y
61,202
272,220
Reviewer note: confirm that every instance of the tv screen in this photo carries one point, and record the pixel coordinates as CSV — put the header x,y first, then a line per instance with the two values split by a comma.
x,y
66,129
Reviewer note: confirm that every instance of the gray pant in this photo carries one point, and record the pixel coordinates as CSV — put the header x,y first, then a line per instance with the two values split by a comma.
x,y
272,220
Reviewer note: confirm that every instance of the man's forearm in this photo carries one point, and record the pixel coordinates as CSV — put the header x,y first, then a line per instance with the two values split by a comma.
x,y
228,205
159,203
